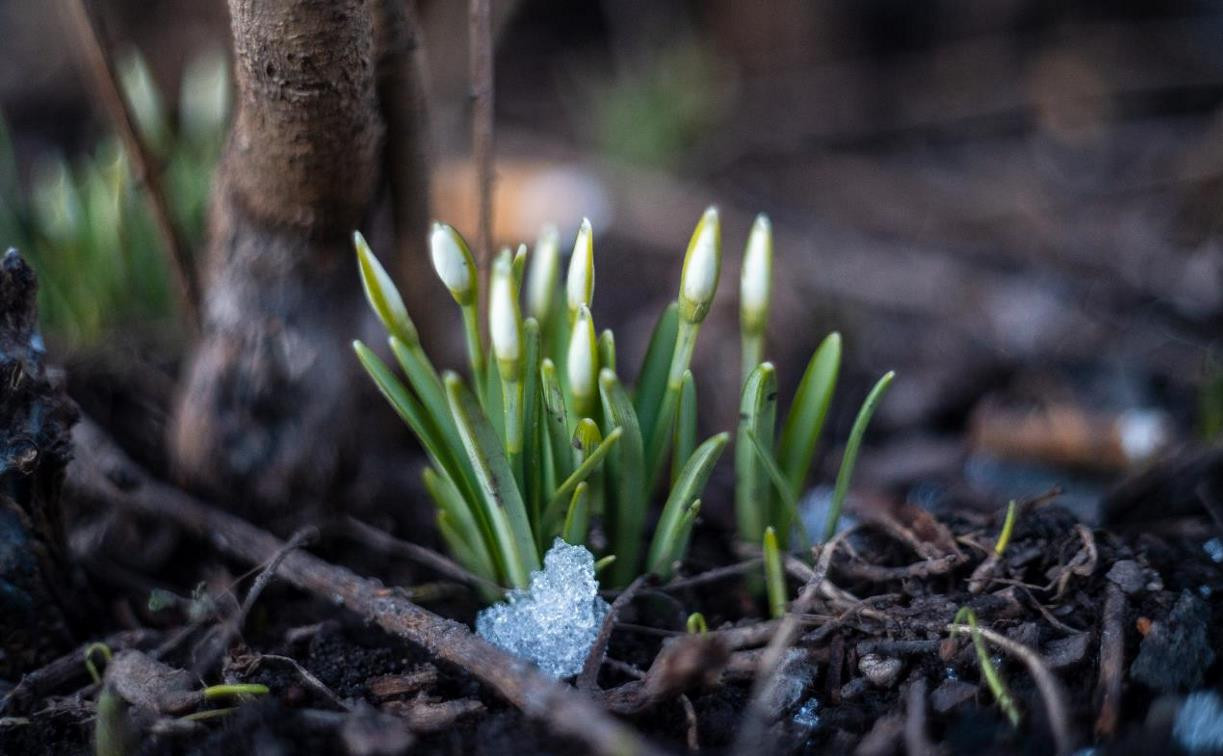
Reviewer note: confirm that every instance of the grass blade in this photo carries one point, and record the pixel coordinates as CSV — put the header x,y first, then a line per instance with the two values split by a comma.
x,y
593,455
806,418
788,502
852,446
504,502
757,417
652,380
626,476
556,418
577,519
687,487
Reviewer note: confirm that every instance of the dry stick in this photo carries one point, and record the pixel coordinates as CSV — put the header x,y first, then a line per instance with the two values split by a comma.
x,y
588,680
480,61
1050,689
102,472
101,68
710,576
1112,659
380,539
693,738
916,742
754,719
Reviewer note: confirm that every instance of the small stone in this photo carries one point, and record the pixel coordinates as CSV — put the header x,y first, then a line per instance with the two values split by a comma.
x,y
951,694
1176,651
1068,651
882,671
1131,577
554,623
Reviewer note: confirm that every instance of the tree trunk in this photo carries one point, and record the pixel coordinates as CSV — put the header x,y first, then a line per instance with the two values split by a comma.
x,y
267,415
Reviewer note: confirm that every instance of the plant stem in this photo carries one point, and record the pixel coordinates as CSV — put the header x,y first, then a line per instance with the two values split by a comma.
x,y
475,350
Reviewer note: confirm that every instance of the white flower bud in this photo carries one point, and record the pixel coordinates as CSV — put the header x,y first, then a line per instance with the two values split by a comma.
x,y
580,285
582,363
453,262
504,319
755,278
702,266
542,276
381,292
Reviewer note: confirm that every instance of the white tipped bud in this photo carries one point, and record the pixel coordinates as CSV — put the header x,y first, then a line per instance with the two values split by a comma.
x,y
755,279
583,357
504,319
381,292
453,262
580,285
702,266
542,275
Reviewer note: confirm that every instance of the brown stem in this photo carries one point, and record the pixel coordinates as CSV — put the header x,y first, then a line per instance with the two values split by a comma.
x,y
1112,660
145,170
480,49
101,472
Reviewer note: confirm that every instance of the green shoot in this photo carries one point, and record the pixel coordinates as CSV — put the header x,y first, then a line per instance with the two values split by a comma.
x,y
696,624
234,689
774,576
92,668
846,471
993,678
1008,526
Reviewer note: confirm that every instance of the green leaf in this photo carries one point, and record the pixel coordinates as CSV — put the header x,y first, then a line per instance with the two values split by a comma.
x,y
774,577
607,349
556,418
806,418
593,456
852,446
685,426
462,522
502,499
533,439
687,487
577,519
757,417
652,380
788,514
626,476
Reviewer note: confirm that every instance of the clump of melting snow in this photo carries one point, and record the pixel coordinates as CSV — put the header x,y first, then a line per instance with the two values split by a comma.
x,y
553,624
1199,723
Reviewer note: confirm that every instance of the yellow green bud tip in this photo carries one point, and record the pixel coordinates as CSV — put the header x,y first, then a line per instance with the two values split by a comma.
x,y
702,266
504,319
380,290
580,284
453,262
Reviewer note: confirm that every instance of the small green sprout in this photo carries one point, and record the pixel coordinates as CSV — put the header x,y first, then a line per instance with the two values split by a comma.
x,y
774,575
1008,526
234,689
696,624
90,650
993,678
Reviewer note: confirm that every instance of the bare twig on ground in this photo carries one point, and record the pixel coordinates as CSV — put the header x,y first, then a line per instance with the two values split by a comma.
x,y
1112,660
480,50
1050,689
100,471
144,167
588,680
916,742
710,576
312,682
693,736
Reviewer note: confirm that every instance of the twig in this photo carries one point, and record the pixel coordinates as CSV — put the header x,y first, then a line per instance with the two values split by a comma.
x,y
101,67
753,727
97,466
588,680
312,682
693,737
1050,689
480,61
916,742
1112,660
710,576
387,543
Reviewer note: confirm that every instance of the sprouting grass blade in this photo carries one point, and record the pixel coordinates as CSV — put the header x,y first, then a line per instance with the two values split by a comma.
x,y
806,418
532,474
501,496
758,417
556,418
993,678
652,380
846,471
407,405
577,518
687,487
593,449
382,294
774,577
607,349
461,520
676,541
626,476
684,442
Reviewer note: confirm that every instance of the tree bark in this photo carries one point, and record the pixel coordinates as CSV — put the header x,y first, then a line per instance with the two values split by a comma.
x,y
268,407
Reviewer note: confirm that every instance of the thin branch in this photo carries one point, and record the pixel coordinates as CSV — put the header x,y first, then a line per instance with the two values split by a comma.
x,y
588,681
383,541
480,61
101,472
1112,661
100,66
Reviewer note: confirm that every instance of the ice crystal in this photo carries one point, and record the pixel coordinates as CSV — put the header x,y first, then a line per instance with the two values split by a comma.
x,y
553,624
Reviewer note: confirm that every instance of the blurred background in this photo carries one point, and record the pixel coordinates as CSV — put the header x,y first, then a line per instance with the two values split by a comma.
x,y
1015,204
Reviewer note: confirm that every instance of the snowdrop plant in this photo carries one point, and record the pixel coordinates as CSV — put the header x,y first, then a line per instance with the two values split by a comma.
x,y
544,438
770,471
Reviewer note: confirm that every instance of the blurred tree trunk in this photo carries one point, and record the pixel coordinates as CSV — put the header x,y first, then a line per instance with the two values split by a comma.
x,y
268,411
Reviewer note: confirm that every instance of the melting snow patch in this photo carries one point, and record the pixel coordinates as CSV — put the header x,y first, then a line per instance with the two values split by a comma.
x,y
1199,723
554,623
